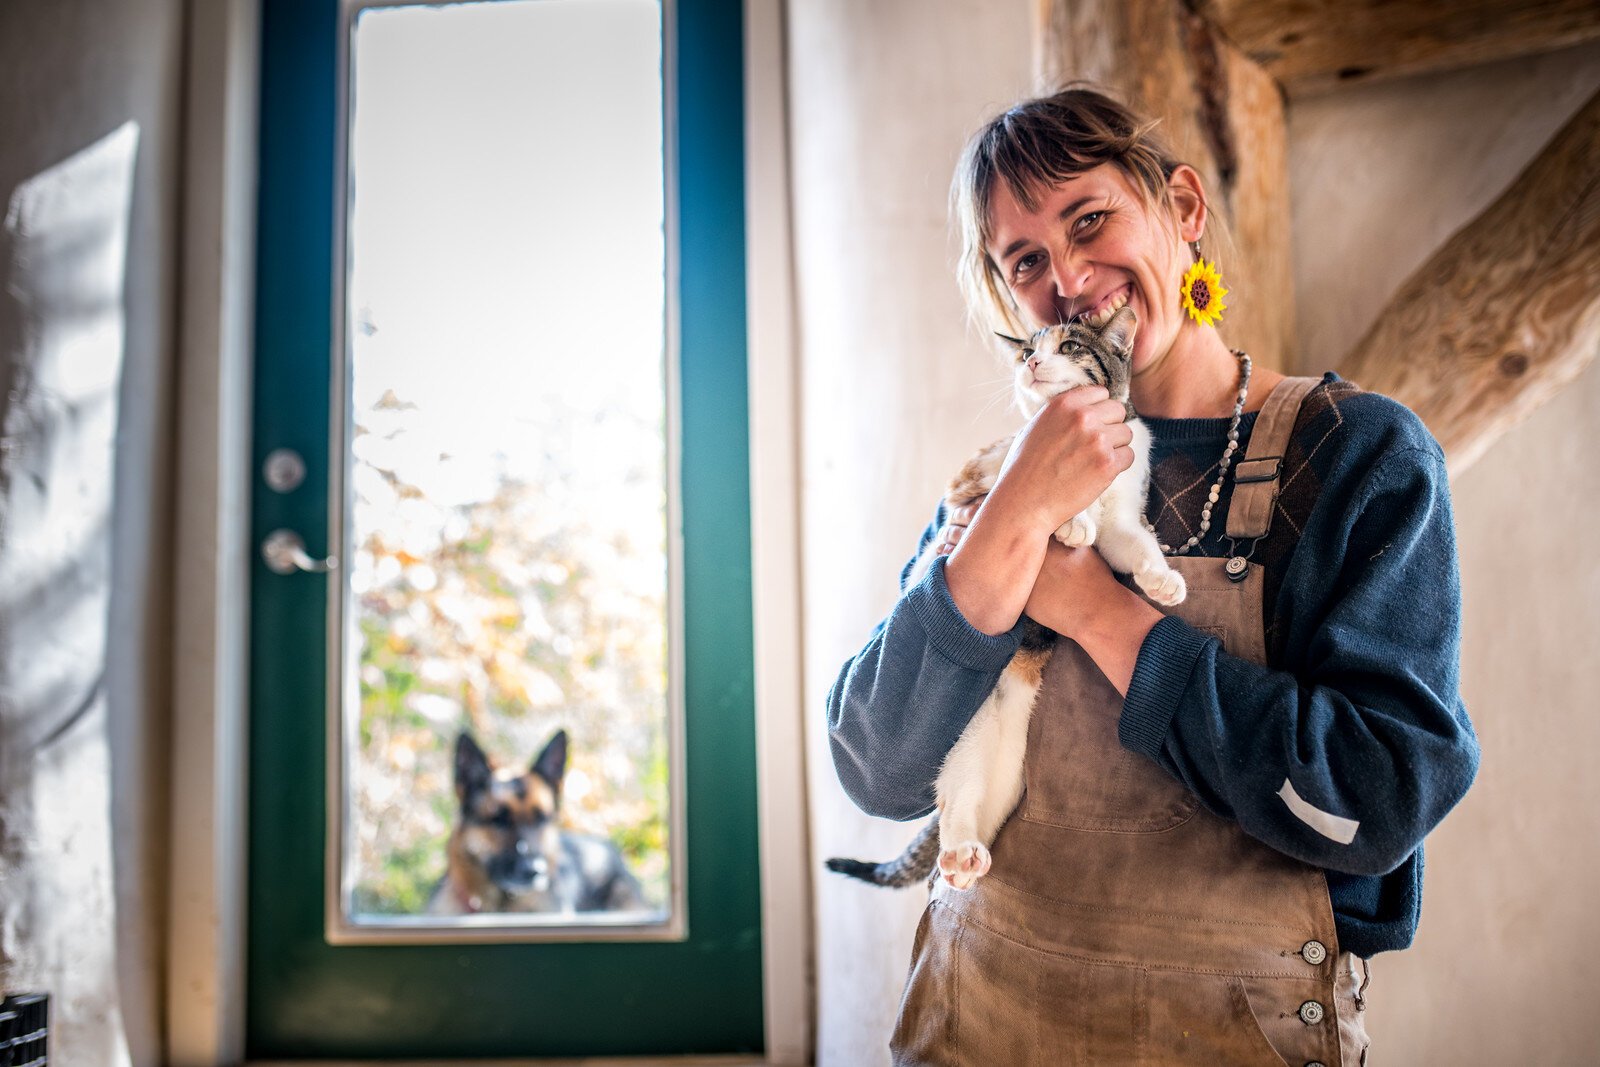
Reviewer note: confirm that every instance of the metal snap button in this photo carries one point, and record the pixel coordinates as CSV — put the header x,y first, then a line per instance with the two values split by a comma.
x,y
1235,568
1314,952
1316,1063
1311,1013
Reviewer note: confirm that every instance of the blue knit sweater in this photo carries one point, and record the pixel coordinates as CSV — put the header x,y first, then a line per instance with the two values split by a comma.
x,y
1358,710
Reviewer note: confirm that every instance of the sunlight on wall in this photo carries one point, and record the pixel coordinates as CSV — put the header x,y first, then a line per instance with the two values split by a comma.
x,y
68,229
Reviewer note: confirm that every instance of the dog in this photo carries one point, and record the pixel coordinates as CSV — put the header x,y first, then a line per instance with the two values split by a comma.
x,y
508,853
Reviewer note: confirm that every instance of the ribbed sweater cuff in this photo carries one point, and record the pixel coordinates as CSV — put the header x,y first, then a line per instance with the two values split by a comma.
x,y
930,603
1160,675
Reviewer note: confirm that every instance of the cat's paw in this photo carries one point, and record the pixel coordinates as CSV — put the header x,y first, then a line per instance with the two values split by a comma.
x,y
1163,584
1078,532
964,864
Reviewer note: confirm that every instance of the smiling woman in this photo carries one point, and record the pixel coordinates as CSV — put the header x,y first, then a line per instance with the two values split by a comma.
x,y
1225,798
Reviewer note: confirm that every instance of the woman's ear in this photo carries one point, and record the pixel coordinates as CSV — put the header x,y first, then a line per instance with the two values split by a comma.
x,y
1188,202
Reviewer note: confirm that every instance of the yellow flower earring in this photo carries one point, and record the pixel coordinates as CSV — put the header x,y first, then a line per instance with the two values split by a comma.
x,y
1202,290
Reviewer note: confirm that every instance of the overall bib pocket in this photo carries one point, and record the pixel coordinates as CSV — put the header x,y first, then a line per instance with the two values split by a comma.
x,y
1079,776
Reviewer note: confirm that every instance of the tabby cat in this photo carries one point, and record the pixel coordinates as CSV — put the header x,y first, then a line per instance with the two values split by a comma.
x,y
981,780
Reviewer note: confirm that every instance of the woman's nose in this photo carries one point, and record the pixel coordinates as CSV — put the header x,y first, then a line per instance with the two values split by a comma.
x,y
1071,281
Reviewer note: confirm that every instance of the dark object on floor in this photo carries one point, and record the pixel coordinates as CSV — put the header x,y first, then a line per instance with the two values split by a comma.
x,y
24,1029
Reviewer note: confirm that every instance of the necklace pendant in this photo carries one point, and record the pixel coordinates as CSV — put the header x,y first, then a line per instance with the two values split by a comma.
x,y
1236,568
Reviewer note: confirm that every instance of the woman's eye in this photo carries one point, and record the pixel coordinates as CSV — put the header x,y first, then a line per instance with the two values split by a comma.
x,y
1088,221
1026,265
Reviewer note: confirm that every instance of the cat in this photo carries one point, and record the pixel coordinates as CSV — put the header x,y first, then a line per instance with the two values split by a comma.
x,y
981,779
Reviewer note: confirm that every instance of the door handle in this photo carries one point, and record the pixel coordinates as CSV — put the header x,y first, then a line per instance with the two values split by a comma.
x,y
285,553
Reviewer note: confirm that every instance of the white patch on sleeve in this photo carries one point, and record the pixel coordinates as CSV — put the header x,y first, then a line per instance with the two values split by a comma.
x,y
1333,827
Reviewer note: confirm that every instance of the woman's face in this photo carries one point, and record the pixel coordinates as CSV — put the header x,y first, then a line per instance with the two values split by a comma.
x,y
1090,240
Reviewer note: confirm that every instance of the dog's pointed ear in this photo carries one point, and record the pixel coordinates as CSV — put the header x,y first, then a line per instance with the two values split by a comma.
x,y
472,766
551,765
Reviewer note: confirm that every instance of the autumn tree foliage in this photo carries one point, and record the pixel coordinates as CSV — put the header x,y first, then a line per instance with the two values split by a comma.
x,y
509,600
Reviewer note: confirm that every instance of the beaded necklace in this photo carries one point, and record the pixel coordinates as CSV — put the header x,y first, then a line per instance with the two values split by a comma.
x,y
1222,465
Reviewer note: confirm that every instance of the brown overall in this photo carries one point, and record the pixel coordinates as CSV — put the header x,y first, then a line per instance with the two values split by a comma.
x,y
1121,923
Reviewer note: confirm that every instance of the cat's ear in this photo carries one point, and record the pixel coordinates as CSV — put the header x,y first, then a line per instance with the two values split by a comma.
x,y
1118,333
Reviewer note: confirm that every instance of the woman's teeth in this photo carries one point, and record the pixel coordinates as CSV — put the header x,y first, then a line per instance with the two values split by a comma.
x,y
1100,318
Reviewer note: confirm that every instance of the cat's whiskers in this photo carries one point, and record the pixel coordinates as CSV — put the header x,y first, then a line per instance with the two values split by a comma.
x,y
1072,311
1003,390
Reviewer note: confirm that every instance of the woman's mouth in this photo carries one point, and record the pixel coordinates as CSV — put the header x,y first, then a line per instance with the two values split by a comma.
x,y
1100,314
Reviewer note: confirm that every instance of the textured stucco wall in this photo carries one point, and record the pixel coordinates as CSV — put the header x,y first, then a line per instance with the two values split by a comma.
x,y
892,384
1504,966
71,72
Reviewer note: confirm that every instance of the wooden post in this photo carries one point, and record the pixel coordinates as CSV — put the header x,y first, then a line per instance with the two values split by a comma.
x,y
1221,113
1506,312
1316,44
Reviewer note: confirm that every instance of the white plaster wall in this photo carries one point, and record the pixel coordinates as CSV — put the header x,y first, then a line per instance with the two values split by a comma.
x,y
891,381
892,384
1505,964
71,71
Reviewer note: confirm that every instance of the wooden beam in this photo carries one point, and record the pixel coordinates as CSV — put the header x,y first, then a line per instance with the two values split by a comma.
x,y
1221,113
1316,44
1506,312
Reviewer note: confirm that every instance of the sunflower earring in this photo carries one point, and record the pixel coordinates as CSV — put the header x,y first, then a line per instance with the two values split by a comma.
x,y
1202,290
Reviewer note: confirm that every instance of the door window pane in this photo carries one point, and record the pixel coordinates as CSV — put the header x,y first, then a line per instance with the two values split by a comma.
x,y
510,720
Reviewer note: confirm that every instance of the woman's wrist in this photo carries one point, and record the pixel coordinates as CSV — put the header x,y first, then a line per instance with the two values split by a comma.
x,y
1111,629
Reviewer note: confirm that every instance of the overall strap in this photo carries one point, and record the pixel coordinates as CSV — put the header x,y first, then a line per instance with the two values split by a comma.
x,y
1255,478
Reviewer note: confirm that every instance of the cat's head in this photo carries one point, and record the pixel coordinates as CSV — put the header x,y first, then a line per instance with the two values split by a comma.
x,y
1081,352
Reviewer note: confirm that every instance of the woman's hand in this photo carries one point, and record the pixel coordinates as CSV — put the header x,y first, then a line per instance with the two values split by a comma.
x,y
1063,459
955,524
1066,456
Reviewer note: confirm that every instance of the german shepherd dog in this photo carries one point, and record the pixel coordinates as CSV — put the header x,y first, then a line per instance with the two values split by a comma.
x,y
507,852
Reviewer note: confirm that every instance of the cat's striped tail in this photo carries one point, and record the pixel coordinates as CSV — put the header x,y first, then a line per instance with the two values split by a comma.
x,y
913,865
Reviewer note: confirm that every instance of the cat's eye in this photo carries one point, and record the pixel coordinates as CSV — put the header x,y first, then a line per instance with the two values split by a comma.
x,y
1024,355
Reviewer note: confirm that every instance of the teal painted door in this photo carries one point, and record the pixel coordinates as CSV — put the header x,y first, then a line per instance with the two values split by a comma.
x,y
307,997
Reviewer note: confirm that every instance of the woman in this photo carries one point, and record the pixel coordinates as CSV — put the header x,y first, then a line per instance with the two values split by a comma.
x,y
1225,805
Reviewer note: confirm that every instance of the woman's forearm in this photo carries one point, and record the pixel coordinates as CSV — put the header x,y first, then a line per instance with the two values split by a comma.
x,y
992,571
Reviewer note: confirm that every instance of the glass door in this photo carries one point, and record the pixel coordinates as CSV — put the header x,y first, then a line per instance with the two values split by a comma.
x,y
502,771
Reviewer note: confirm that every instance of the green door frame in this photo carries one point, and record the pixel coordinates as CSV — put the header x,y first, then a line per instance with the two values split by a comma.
x,y
306,998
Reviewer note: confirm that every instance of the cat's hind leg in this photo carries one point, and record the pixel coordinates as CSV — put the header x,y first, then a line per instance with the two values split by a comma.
x,y
962,857
1024,674
982,777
